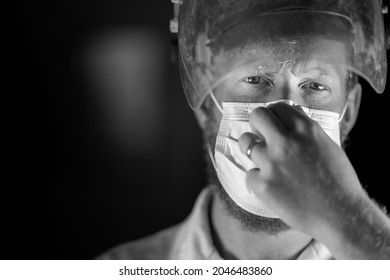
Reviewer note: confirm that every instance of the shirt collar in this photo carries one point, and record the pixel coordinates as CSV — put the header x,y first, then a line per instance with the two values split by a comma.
x,y
194,239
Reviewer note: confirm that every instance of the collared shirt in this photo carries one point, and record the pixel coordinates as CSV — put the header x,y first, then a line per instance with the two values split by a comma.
x,y
191,240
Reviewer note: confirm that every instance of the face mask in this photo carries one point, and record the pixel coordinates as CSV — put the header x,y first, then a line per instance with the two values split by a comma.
x,y
231,164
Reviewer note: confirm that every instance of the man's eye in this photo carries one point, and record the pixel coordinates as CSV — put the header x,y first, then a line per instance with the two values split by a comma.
x,y
254,80
317,86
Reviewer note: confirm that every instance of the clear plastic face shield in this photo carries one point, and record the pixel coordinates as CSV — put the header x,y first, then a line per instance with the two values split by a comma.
x,y
243,46
247,53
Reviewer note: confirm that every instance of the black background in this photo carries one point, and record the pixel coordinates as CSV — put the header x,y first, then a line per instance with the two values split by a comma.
x,y
71,196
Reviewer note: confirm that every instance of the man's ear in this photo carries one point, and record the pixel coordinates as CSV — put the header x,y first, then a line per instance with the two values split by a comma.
x,y
201,117
351,114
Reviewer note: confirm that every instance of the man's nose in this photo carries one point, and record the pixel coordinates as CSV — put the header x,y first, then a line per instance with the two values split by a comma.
x,y
288,88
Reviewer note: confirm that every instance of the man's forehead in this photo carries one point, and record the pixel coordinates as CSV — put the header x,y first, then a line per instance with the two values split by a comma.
x,y
315,55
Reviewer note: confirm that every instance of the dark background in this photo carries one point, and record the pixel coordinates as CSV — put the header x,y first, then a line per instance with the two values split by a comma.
x,y
74,191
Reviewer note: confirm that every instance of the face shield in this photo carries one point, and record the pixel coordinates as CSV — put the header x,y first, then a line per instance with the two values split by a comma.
x,y
222,40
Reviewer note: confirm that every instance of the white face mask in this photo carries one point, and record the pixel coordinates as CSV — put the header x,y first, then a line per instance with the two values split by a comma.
x,y
231,164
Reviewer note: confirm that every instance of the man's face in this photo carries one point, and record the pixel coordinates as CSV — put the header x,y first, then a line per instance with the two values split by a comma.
x,y
310,72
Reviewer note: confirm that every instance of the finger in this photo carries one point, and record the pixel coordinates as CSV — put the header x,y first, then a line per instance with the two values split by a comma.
x,y
253,181
253,147
256,183
247,139
264,122
292,117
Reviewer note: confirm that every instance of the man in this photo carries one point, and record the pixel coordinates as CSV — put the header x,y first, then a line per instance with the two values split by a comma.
x,y
274,87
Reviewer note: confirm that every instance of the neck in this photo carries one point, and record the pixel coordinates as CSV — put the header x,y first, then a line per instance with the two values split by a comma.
x,y
234,242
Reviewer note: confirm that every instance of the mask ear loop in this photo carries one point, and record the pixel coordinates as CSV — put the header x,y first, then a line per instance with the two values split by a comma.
x,y
215,101
343,113
211,156
208,145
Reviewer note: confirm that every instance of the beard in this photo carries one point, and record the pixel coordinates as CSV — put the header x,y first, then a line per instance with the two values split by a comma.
x,y
248,221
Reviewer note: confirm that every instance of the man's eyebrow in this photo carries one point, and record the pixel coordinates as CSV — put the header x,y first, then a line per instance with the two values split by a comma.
x,y
318,69
262,69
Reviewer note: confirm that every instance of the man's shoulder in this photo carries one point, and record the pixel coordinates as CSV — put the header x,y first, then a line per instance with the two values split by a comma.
x,y
181,241
155,246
